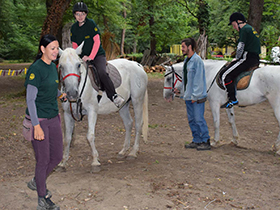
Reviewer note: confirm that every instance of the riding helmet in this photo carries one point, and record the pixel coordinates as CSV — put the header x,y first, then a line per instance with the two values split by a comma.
x,y
236,16
80,7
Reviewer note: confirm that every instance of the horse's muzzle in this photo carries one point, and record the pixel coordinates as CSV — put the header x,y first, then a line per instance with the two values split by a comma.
x,y
72,96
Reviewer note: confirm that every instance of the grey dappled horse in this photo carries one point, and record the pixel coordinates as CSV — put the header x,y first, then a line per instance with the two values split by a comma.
x,y
264,85
133,88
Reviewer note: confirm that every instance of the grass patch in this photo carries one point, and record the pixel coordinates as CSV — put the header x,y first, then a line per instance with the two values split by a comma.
x,y
153,126
155,75
17,95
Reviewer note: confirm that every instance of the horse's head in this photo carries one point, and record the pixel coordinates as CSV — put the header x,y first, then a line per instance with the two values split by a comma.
x,y
70,69
172,79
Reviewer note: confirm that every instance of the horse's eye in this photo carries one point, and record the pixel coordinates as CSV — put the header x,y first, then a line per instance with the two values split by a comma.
x,y
79,65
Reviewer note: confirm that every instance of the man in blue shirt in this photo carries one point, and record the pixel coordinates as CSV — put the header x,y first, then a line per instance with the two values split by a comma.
x,y
194,93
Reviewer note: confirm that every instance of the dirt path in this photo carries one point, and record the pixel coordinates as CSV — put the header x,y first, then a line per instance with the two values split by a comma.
x,y
164,176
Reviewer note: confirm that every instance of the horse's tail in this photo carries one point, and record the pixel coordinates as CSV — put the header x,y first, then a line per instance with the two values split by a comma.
x,y
145,118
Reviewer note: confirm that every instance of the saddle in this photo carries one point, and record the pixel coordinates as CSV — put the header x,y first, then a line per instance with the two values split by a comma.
x,y
111,71
241,82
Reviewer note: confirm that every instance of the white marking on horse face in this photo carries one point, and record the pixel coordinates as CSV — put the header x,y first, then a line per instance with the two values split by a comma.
x,y
70,63
167,93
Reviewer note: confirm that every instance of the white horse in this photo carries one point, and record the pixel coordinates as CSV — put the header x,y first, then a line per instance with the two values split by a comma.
x,y
264,85
133,88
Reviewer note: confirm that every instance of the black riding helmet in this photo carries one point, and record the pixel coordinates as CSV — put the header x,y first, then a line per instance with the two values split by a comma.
x,y
237,16
80,7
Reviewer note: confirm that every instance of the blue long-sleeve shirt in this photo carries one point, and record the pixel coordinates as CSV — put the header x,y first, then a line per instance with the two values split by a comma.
x,y
196,82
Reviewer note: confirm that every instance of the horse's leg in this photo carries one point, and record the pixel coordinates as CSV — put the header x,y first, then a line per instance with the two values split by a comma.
x,y
231,120
92,117
128,122
274,101
69,125
215,109
138,113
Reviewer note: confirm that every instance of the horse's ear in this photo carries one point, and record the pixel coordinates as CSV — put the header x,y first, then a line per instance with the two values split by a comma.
x,y
60,51
79,49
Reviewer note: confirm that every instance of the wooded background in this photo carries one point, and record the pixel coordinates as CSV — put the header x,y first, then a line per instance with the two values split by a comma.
x,y
133,26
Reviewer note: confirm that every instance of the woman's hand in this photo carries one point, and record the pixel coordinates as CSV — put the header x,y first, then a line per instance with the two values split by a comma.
x,y
63,97
38,133
86,58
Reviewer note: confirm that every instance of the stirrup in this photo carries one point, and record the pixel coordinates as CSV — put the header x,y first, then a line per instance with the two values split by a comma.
x,y
118,100
229,104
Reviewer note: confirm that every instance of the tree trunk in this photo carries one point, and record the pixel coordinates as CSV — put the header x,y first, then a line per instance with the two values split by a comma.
x,y
202,45
53,21
255,14
66,40
153,41
135,45
123,34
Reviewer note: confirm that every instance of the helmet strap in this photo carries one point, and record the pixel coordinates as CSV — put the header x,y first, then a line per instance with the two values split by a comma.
x,y
239,24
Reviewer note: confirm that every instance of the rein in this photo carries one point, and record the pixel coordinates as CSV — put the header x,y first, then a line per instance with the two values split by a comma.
x,y
79,102
173,83
211,84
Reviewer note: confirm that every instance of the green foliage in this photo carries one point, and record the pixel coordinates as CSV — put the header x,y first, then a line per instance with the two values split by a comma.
x,y
20,26
270,24
21,22
220,11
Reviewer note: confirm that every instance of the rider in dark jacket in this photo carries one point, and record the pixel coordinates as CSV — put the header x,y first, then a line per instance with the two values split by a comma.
x,y
85,30
247,55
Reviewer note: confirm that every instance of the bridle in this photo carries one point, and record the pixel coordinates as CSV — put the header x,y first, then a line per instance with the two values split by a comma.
x,y
174,79
78,101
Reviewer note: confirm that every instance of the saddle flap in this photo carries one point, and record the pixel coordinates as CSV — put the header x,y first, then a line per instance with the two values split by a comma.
x,y
113,73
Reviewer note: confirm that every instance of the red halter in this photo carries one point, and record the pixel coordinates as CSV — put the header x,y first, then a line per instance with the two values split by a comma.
x,y
72,74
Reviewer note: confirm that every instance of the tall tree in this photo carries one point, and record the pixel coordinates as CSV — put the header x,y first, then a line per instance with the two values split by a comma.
x,y
55,12
200,10
123,31
255,14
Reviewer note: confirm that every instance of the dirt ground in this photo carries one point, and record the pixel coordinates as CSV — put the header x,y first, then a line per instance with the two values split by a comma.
x,y
164,176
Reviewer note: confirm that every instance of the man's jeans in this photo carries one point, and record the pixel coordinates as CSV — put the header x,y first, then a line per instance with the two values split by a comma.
x,y
197,122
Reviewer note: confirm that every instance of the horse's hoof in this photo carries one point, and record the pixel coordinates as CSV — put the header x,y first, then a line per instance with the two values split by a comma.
x,y
131,157
60,169
95,169
233,144
120,157
215,143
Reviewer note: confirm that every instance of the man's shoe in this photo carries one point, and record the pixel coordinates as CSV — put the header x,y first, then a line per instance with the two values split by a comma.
x,y
204,146
45,203
118,100
192,145
32,186
229,104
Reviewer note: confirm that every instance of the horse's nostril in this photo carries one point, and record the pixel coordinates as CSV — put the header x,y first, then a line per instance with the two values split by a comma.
x,y
72,95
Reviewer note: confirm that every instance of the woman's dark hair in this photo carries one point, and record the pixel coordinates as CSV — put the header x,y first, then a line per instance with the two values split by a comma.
x,y
45,40
190,41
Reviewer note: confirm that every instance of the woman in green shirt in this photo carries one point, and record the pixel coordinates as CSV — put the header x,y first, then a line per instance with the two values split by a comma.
x,y
42,109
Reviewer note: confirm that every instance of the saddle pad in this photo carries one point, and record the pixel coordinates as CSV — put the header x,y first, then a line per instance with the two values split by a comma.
x,y
241,82
113,74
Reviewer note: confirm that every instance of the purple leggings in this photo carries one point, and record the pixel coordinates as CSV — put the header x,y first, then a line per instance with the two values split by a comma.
x,y
48,153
